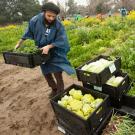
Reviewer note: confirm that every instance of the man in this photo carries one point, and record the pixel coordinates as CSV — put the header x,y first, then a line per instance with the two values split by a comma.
x,y
123,12
110,13
49,35
78,17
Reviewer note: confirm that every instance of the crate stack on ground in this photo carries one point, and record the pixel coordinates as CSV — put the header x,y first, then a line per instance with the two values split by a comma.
x,y
128,101
98,77
71,122
68,118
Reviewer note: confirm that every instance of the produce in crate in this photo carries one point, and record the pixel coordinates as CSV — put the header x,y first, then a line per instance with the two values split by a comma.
x,y
115,81
87,98
76,94
120,125
96,102
87,110
27,49
82,105
97,66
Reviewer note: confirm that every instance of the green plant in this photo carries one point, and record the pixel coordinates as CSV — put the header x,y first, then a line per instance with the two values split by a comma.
x,y
27,49
120,125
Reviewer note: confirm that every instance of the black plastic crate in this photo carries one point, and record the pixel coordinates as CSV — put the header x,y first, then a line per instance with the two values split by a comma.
x,y
40,58
108,118
64,128
103,76
25,60
99,130
75,124
103,125
115,93
128,102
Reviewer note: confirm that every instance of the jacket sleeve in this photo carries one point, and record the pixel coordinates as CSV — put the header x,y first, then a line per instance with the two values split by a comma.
x,y
29,34
61,40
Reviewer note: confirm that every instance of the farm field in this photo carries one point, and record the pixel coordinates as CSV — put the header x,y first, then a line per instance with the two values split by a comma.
x,y
24,104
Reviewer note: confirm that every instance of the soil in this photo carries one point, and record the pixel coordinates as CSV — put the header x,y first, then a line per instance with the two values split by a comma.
x,y
25,108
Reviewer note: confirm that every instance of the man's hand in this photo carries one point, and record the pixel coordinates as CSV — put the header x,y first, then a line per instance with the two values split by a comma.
x,y
46,49
19,44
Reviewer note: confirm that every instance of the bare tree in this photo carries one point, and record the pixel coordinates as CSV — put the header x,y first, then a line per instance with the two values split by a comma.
x,y
44,1
92,5
89,5
128,4
72,7
63,8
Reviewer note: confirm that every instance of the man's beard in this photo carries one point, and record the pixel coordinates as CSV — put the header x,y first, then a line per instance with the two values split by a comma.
x,y
49,23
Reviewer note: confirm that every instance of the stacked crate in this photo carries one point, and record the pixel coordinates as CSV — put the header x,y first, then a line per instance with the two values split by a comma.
x,y
73,124
98,81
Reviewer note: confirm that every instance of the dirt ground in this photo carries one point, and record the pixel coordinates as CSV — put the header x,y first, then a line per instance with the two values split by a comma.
x,y
24,104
